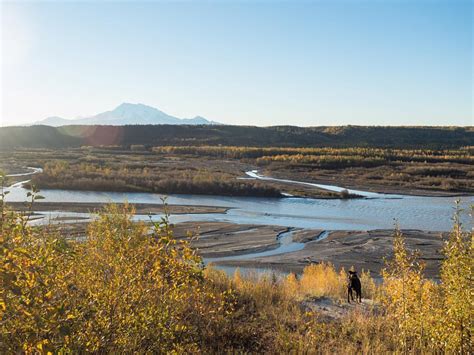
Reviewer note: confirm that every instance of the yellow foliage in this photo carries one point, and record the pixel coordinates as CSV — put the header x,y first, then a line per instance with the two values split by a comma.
x,y
457,275
122,289
323,280
291,285
425,315
131,288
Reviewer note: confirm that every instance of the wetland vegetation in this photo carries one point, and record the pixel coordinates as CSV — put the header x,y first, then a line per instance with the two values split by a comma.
x,y
215,170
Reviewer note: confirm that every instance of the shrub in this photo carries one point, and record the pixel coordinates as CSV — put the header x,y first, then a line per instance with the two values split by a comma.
x,y
457,274
132,287
426,316
122,289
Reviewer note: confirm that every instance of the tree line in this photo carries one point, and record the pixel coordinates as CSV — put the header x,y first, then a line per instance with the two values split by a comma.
x,y
283,136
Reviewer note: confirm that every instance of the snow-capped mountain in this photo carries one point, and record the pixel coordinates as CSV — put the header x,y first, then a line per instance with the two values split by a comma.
x,y
126,114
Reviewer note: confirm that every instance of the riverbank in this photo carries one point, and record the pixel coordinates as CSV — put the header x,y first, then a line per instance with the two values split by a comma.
x,y
370,180
269,247
140,208
365,250
222,239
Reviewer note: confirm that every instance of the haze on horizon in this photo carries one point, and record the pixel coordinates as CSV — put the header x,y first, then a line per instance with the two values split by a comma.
x,y
268,63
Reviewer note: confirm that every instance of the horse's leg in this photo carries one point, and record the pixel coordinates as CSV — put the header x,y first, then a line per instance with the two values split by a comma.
x,y
349,293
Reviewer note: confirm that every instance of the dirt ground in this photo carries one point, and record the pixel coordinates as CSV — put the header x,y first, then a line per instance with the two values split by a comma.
x,y
364,250
328,309
140,208
220,239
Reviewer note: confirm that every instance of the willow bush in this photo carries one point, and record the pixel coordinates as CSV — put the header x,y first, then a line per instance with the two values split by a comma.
x,y
456,329
429,316
406,296
185,180
128,287
122,289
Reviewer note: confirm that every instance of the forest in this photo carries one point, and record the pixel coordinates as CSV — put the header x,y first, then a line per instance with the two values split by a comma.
x,y
215,135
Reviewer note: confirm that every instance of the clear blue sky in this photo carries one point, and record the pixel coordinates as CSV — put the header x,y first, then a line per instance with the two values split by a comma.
x,y
242,62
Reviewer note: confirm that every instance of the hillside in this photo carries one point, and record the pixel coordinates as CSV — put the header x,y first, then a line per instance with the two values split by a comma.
x,y
282,136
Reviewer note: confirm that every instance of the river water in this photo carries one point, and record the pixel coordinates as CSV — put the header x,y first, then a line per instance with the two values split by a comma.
x,y
376,211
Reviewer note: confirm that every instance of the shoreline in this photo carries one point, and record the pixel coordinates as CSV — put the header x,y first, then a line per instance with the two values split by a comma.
x,y
365,250
328,196
140,208
298,190
371,188
347,252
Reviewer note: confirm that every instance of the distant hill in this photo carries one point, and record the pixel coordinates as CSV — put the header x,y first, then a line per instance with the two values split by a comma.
x,y
282,136
126,114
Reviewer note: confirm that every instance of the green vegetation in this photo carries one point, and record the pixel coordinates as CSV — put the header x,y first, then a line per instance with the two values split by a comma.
x,y
132,287
281,136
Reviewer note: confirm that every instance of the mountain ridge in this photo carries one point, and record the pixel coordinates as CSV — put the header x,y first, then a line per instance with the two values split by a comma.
x,y
126,114
241,136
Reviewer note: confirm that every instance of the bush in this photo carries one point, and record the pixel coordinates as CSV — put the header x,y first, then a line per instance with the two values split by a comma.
x,y
137,148
426,316
122,289
132,287
93,176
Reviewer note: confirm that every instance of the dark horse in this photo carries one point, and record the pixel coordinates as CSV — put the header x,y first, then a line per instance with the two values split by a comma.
x,y
354,285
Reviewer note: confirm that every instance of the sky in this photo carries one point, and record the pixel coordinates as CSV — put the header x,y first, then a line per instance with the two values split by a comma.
x,y
306,63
